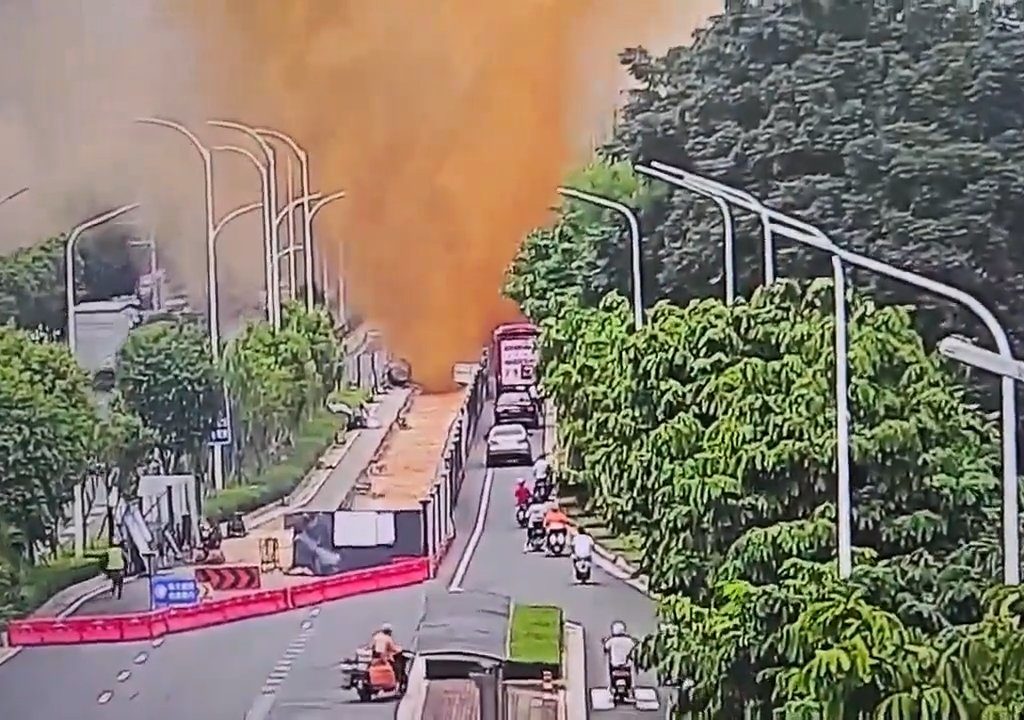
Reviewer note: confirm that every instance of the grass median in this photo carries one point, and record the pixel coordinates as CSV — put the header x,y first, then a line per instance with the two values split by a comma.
x,y
276,482
535,635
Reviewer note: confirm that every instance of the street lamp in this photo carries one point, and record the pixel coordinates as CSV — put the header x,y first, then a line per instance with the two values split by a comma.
x,y
213,229
844,505
728,242
275,247
307,212
634,241
265,194
69,266
808,235
320,203
13,195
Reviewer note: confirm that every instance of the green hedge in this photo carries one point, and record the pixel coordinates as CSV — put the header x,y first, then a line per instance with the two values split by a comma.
x,y
535,635
34,585
277,481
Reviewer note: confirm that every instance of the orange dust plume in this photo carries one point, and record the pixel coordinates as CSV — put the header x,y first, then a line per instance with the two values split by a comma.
x,y
449,123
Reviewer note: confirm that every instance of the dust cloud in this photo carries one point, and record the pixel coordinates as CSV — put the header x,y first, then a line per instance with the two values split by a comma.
x,y
74,74
448,122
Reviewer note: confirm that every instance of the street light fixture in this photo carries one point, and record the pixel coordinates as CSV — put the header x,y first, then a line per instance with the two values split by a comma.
x,y
964,351
307,212
634,242
320,203
213,229
782,224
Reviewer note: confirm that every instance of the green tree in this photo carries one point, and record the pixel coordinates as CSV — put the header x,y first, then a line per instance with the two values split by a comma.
x,y
46,421
899,133
710,435
166,377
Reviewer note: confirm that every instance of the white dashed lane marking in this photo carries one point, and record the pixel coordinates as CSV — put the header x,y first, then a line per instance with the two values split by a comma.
x,y
104,697
124,675
264,702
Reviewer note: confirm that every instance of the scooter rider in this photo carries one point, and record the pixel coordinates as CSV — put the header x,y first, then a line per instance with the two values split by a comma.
x,y
535,521
582,546
523,493
541,468
555,519
619,648
384,647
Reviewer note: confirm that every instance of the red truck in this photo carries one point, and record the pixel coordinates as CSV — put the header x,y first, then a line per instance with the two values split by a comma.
x,y
513,357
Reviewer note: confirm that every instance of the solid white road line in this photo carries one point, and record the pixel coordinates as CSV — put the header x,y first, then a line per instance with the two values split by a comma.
x,y
474,539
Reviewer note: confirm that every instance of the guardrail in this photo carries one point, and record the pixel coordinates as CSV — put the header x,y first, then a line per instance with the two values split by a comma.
x,y
150,625
438,509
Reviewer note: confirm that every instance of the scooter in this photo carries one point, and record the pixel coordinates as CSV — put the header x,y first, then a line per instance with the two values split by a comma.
x,y
557,541
621,687
542,491
371,677
581,569
535,538
522,515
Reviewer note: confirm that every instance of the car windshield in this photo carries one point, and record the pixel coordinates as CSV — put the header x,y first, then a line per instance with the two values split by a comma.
x,y
508,432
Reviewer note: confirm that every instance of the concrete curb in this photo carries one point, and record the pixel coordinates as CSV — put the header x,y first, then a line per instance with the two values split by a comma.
x,y
575,661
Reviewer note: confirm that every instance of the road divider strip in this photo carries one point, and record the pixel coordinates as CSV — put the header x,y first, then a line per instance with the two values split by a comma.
x,y
151,625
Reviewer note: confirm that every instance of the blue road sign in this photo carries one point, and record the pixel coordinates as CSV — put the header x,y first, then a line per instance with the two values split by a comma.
x,y
167,591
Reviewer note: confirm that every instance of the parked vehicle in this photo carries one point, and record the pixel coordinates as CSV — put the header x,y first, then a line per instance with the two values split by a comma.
x,y
508,444
513,357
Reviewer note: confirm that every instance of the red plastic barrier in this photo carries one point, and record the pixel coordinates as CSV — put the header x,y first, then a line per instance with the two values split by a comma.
x,y
144,626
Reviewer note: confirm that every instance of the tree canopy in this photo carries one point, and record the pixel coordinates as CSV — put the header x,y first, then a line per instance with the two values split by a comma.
x,y
896,127
709,435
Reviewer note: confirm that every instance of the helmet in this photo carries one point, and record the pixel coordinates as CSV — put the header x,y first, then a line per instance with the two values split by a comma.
x,y
386,628
521,481
618,628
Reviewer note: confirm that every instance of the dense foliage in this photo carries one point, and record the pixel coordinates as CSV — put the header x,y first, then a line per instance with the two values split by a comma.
x,y
32,289
166,376
710,435
897,127
276,379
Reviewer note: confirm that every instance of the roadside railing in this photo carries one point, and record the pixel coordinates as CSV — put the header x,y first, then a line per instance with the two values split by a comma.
x,y
439,508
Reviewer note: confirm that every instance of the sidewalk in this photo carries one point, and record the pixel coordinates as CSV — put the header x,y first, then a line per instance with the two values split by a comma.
x,y
324,489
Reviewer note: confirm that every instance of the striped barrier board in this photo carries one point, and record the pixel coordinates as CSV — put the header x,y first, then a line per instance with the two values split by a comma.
x,y
229,577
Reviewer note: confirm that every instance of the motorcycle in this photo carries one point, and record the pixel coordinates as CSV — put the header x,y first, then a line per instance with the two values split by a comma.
x,y
557,541
542,491
581,569
535,537
373,677
621,689
522,515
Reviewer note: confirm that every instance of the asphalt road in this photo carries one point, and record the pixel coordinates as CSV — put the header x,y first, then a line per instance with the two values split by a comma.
x,y
499,565
284,667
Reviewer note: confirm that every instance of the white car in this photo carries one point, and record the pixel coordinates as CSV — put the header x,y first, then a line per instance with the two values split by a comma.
x,y
508,444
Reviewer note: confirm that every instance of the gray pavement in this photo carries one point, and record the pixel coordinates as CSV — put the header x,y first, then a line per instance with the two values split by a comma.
x,y
337,490
499,565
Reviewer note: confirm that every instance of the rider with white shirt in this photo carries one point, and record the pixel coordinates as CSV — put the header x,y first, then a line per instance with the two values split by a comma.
x,y
619,648
535,520
582,546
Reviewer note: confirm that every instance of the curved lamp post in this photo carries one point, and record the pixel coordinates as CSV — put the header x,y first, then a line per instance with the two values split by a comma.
x,y
634,241
265,194
271,156
69,266
213,229
808,235
307,212
305,200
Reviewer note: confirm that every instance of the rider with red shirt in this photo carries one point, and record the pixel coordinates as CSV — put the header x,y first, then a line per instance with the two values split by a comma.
x,y
523,494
